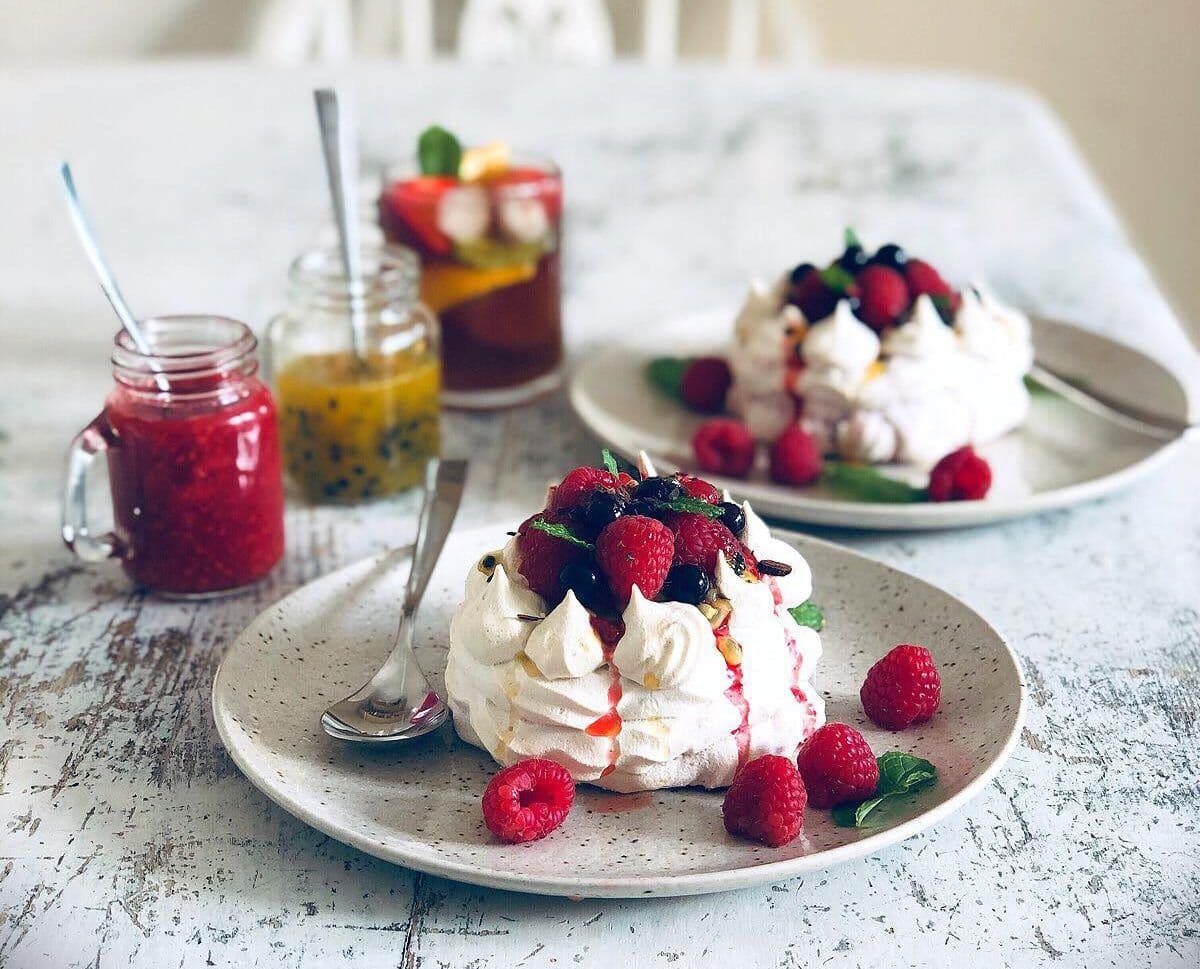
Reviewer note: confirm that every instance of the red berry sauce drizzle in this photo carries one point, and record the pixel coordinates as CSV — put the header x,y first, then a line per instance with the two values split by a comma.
x,y
736,696
609,725
810,711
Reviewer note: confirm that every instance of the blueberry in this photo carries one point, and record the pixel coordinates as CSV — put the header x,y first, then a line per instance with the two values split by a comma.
x,y
658,489
647,509
603,508
800,272
686,583
891,256
853,259
580,576
732,517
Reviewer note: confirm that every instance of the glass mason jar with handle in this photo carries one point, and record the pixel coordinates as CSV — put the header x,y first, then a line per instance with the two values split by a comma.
x,y
190,438
355,425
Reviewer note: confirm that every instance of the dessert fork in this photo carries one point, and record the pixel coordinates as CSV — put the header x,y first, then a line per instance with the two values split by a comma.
x,y
398,703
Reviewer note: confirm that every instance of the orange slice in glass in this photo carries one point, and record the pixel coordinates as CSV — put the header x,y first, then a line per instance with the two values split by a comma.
x,y
444,286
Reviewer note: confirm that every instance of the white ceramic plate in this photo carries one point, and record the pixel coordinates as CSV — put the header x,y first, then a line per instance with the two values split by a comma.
x,y
1061,455
419,805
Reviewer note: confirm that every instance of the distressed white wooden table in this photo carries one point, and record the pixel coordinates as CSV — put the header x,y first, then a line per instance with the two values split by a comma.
x,y
127,836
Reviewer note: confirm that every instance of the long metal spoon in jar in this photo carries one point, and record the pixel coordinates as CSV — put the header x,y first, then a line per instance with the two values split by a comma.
x,y
108,282
398,703
339,143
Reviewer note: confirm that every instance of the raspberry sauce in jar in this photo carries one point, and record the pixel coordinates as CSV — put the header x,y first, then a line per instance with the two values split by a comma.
x,y
190,438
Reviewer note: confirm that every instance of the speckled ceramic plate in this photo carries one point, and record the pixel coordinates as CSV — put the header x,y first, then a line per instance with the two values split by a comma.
x,y
1061,455
418,805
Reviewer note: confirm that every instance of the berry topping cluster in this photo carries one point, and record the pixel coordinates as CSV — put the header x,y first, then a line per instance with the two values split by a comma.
x,y
880,288
604,531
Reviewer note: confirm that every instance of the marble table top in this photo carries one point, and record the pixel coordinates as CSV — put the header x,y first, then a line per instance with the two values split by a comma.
x,y
127,837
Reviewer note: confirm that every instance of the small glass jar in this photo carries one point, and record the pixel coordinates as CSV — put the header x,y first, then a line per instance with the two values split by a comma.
x,y
491,269
189,434
357,422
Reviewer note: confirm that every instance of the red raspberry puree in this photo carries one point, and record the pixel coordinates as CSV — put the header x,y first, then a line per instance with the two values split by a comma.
x,y
195,473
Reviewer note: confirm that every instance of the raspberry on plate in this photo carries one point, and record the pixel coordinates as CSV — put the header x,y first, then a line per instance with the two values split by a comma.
x,y
795,457
698,539
766,801
528,800
902,689
699,488
961,475
705,383
543,556
837,765
578,486
883,297
724,446
635,550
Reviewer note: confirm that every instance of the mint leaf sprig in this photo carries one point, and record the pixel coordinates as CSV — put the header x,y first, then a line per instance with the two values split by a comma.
x,y
438,152
808,614
696,506
861,482
899,774
560,531
610,463
665,375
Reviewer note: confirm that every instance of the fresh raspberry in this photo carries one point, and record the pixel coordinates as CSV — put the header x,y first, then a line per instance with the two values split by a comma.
x,y
699,538
543,556
837,765
902,689
699,488
766,801
883,297
795,457
922,278
961,475
724,446
705,383
635,550
528,800
578,486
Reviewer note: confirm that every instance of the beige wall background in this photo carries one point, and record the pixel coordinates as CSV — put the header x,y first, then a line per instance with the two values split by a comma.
x,y
1124,74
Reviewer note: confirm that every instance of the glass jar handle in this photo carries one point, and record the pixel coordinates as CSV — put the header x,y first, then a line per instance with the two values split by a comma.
x,y
89,442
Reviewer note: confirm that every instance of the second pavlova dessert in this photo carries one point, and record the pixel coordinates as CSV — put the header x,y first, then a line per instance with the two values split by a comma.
x,y
879,359
641,631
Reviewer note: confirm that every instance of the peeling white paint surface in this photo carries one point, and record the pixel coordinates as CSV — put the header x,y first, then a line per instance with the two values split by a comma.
x,y
126,835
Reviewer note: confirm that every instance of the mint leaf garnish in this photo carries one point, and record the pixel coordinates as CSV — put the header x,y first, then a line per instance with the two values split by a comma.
x,y
697,506
1036,389
837,279
808,614
610,463
850,237
560,531
899,774
666,374
863,483
438,152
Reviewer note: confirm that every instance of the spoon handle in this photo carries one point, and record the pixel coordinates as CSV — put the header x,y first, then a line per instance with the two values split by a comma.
x,y
91,248
1158,426
341,167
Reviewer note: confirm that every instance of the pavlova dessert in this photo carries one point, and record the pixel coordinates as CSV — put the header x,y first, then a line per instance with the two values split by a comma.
x,y
642,631
878,359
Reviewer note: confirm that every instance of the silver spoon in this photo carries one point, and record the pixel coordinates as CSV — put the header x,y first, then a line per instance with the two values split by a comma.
x,y
1130,416
108,282
397,703
341,166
